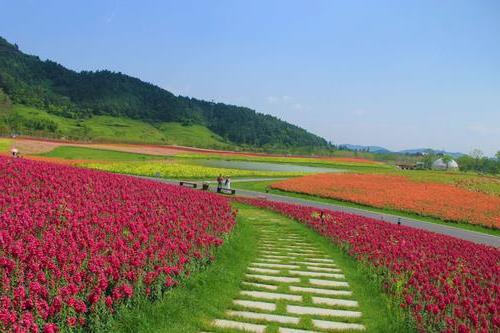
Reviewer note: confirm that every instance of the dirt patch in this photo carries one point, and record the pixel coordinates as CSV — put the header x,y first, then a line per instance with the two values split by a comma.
x,y
26,146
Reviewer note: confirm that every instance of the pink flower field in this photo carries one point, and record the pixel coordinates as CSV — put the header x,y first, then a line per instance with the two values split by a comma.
x,y
76,243
446,284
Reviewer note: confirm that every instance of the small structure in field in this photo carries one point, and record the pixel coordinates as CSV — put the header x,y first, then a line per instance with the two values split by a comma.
x,y
406,166
411,166
441,164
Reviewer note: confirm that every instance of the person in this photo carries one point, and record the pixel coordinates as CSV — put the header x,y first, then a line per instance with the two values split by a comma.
x,y
228,183
219,182
15,152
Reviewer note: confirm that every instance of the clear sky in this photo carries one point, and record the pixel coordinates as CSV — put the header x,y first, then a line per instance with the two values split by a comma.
x,y
399,74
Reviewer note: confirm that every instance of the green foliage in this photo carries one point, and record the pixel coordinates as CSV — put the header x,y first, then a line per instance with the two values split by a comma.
x,y
480,164
51,87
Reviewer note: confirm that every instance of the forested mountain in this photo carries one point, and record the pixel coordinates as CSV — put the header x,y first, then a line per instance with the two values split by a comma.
x,y
49,86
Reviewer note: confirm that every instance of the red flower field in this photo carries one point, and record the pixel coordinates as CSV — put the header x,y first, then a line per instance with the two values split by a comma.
x,y
443,201
447,284
75,243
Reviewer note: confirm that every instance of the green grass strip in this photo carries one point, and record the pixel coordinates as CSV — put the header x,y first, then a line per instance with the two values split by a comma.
x,y
83,153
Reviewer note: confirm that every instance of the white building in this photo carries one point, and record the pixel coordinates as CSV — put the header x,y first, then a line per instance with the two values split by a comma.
x,y
439,164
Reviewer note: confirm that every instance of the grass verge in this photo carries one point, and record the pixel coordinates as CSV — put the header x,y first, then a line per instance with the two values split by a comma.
x,y
5,145
261,186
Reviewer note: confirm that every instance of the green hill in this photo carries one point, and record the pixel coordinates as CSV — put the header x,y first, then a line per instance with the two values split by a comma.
x,y
34,122
108,105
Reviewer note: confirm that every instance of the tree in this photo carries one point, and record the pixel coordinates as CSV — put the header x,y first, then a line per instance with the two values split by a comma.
x,y
476,154
446,159
497,155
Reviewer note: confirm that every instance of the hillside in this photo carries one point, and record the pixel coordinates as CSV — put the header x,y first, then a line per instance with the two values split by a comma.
x,y
79,96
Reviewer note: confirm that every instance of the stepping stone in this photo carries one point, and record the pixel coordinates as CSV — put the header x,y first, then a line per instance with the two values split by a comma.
x,y
273,252
309,310
275,265
284,279
317,274
301,249
272,256
260,285
321,260
333,325
309,253
334,301
272,296
247,327
321,291
309,256
317,264
264,317
255,305
263,270
328,283
268,260
324,269
293,330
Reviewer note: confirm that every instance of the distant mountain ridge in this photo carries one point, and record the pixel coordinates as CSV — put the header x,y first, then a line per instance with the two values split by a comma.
x,y
371,149
382,150
48,86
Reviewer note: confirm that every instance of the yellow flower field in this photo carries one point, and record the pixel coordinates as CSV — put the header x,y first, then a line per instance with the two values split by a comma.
x,y
166,169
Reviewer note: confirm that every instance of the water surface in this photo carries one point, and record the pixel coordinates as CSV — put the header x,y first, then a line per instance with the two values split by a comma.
x,y
262,166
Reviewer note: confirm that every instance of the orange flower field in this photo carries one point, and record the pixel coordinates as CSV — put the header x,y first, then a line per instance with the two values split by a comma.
x,y
444,201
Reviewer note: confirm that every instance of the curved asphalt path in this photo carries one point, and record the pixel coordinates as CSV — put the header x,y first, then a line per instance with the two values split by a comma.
x,y
472,236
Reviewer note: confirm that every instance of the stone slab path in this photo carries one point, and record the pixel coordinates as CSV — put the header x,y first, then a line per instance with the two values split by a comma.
x,y
292,286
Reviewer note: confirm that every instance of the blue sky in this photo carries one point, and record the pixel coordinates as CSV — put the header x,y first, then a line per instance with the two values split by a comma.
x,y
398,74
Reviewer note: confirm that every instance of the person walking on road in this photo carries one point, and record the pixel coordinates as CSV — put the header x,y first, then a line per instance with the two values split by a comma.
x,y
219,183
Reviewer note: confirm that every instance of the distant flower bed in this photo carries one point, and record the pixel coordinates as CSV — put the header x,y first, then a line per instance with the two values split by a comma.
x,y
76,243
446,284
443,201
181,170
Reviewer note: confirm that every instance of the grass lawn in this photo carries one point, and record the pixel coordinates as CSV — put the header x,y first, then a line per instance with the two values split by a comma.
x,y
469,180
4,145
260,186
82,153
208,293
192,136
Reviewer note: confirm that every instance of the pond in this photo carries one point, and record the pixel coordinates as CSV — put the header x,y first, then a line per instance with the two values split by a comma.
x,y
262,166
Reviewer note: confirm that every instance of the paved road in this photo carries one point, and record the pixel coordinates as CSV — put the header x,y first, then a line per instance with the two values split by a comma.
x,y
472,236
